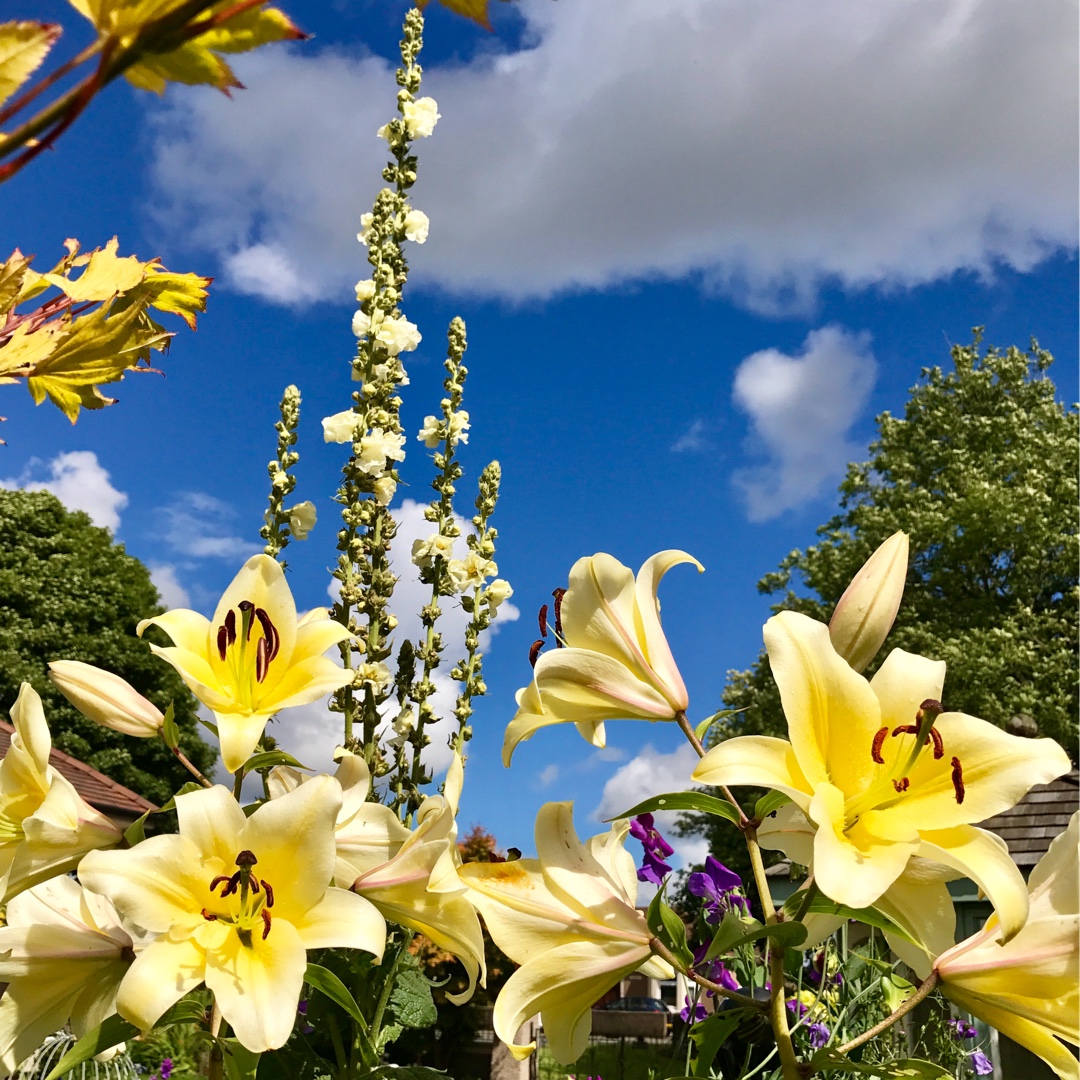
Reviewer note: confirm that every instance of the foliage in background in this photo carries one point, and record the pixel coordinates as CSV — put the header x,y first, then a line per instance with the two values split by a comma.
x,y
67,590
981,471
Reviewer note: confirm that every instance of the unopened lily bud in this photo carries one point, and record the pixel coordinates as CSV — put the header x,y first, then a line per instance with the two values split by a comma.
x,y
865,613
106,699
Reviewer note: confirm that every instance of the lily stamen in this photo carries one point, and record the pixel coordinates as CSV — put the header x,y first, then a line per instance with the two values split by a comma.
x,y
534,651
939,746
901,785
265,913
875,749
958,780
542,620
558,594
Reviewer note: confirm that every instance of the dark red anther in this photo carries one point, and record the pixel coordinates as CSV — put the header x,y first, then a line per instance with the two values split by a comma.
x,y
534,650
269,894
495,857
273,638
958,780
230,625
262,660
558,594
542,619
901,785
905,729
939,746
875,749
218,880
265,913
222,641
231,885
208,917
254,883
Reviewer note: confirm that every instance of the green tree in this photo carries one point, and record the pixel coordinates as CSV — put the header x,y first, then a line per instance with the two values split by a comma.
x,y
67,591
981,472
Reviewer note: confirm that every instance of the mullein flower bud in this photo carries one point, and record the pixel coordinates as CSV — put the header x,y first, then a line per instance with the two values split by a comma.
x,y
106,699
865,613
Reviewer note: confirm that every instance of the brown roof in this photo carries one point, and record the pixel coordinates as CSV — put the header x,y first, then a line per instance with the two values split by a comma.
x,y
1043,813
97,789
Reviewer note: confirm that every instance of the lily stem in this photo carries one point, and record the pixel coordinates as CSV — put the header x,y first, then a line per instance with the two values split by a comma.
x,y
663,951
808,899
777,1004
191,767
925,988
688,730
217,1058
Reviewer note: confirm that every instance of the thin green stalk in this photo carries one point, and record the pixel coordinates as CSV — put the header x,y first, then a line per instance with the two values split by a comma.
x,y
923,992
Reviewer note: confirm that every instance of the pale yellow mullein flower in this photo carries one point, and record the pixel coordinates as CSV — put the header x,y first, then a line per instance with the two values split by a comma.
x,y
410,875
878,782
235,902
1029,988
45,825
254,657
63,953
616,663
569,919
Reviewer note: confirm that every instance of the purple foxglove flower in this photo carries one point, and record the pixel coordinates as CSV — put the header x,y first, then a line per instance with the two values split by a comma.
x,y
819,1035
653,868
982,1065
166,1069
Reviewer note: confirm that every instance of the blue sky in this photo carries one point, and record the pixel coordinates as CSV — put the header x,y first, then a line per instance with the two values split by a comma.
x,y
698,248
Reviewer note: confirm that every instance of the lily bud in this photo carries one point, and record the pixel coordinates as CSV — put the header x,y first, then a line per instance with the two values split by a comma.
x,y
865,613
106,699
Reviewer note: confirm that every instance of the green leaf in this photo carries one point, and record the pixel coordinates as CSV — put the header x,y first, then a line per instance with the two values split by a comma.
x,y
404,1072
326,982
187,1010
652,915
135,833
240,1062
895,991
169,731
411,1000
769,802
675,934
828,1059
732,928
269,758
822,905
190,786
788,935
684,800
710,1034
105,1036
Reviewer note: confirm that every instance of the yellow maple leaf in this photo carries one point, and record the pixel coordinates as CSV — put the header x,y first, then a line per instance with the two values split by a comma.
x,y
106,274
23,46
95,349
176,294
477,10
11,279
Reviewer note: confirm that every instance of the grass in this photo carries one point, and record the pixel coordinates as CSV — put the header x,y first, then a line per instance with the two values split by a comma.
x,y
627,1060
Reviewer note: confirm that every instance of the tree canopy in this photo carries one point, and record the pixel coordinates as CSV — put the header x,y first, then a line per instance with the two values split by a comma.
x,y
981,472
68,591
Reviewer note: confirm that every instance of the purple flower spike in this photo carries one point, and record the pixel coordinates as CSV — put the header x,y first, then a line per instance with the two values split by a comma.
x,y
718,887
982,1065
819,1035
166,1069
653,868
699,1012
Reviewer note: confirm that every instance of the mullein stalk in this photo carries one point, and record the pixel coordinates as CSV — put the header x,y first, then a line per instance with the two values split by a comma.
x,y
276,531
363,568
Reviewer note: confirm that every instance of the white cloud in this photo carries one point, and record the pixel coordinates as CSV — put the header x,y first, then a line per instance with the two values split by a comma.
x,y
199,526
695,440
80,482
649,773
766,148
173,594
801,409
548,775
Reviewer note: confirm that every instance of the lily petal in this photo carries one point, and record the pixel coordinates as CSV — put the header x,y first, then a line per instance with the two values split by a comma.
x,y
162,974
984,858
758,760
341,919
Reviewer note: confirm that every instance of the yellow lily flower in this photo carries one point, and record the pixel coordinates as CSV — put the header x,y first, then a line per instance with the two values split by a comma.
x,y
235,902
1029,989
568,918
62,954
411,876
864,615
616,662
879,777
45,825
254,657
